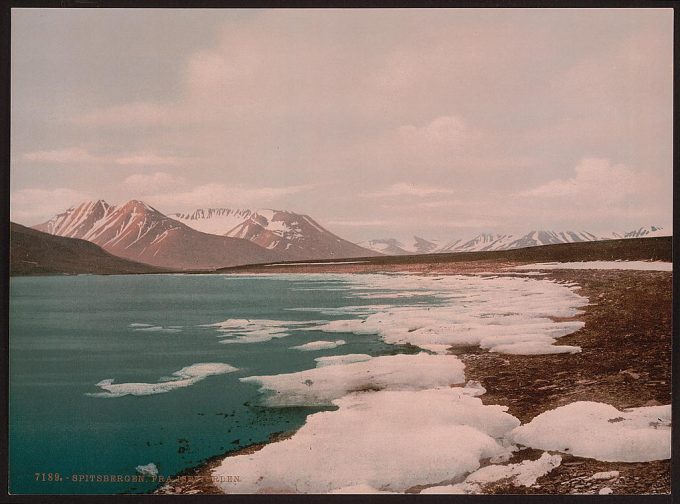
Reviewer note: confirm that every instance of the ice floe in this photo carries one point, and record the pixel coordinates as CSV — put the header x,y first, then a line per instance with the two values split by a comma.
x,y
322,385
600,431
387,441
602,265
149,469
255,330
185,377
155,328
522,474
319,345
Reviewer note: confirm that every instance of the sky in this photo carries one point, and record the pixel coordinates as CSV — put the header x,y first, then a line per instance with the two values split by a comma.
x,y
440,123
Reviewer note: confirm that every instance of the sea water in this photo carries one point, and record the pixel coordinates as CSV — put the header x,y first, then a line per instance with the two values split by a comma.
x,y
69,333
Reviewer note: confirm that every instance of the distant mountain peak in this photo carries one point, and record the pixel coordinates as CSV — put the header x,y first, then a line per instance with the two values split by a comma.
x,y
495,241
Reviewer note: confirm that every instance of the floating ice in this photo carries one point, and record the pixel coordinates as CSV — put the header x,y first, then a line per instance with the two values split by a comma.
x,y
149,469
388,441
600,431
255,330
322,385
160,329
183,378
603,265
399,421
319,345
522,474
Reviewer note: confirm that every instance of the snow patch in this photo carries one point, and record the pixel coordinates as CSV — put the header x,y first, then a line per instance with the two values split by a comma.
x,y
522,474
605,475
600,431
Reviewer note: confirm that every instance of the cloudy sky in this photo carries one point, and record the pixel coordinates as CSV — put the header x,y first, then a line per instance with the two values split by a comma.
x,y
440,123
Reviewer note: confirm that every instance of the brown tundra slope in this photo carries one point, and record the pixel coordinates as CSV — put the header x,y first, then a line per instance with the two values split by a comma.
x,y
35,253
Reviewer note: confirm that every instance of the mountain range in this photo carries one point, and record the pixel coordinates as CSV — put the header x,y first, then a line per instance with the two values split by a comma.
x,y
209,238
491,242
139,232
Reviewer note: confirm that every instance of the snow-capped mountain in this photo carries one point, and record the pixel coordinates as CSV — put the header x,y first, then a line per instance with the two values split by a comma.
x,y
648,231
388,246
392,246
489,241
213,220
295,236
139,232
423,246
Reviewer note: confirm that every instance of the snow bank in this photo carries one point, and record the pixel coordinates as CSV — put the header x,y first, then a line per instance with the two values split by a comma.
x,y
185,377
522,474
504,314
255,330
600,431
603,265
387,441
319,345
322,385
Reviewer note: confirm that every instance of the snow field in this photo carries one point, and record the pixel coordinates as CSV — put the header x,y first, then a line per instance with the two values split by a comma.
x,y
523,474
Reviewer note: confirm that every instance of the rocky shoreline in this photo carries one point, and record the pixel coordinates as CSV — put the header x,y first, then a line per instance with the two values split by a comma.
x,y
625,361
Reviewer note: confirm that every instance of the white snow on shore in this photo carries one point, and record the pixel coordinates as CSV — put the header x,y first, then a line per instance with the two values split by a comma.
x,y
505,314
400,422
319,345
600,431
523,474
388,441
322,385
603,265
185,377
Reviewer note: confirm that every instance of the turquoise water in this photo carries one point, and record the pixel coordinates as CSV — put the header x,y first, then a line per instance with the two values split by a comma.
x,y
68,333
